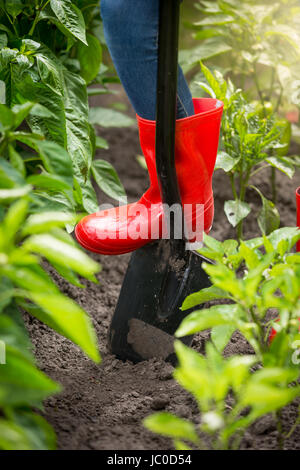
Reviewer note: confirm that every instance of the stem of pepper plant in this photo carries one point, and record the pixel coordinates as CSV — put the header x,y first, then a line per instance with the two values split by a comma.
x,y
243,184
13,24
255,76
260,338
231,177
279,99
272,83
36,19
293,428
259,169
280,438
273,184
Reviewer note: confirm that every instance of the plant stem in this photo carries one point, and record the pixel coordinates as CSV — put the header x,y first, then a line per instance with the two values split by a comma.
x,y
293,428
258,87
37,17
243,186
13,25
272,83
273,184
259,169
231,176
280,438
279,99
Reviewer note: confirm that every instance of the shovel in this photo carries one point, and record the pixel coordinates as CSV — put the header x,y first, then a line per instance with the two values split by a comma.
x,y
162,274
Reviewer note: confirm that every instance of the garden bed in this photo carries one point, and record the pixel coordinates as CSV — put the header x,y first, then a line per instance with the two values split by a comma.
x,y
102,407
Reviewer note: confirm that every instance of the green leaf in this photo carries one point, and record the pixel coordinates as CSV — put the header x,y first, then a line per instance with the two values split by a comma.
x,y
49,182
291,234
236,211
13,437
209,48
15,217
70,17
211,80
78,126
3,40
7,195
204,295
283,165
287,33
265,398
107,179
39,433
13,332
67,318
56,161
7,118
109,118
50,72
21,112
31,277
225,161
268,218
215,20
90,58
101,143
62,253
21,383
205,319
221,334
45,221
14,7
85,194
16,160
213,244
171,426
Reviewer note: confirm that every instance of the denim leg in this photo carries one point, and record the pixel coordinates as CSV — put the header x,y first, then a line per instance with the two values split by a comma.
x,y
131,33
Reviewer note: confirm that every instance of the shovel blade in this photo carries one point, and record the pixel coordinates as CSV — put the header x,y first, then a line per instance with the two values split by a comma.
x,y
148,309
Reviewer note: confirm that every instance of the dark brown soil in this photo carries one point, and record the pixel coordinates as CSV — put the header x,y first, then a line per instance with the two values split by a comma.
x,y
102,406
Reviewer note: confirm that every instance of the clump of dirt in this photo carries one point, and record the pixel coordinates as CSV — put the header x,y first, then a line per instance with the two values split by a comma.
x,y
102,406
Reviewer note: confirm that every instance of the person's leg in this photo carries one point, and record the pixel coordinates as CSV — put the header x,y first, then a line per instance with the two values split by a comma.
x,y
131,33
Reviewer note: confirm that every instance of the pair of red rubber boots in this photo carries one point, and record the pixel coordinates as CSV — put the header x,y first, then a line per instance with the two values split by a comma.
x,y
126,228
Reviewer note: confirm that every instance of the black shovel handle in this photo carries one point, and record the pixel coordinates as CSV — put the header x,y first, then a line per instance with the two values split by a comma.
x,y
166,104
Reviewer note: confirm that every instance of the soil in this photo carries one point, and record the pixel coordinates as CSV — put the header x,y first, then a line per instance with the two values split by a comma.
x,y
102,406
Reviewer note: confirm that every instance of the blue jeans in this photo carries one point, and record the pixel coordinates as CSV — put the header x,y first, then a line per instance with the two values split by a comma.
x,y
131,33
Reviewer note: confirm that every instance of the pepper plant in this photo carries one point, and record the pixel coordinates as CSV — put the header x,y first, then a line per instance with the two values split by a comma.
x,y
258,45
25,241
46,164
232,393
49,52
260,42
250,142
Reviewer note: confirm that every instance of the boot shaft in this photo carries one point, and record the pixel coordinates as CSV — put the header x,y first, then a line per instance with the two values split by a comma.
x,y
196,146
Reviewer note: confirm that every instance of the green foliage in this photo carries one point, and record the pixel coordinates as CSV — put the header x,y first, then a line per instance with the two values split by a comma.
x,y
270,280
261,42
213,380
25,285
50,51
253,278
250,142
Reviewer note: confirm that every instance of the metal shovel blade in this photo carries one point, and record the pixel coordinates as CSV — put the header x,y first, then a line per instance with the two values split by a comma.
x,y
148,310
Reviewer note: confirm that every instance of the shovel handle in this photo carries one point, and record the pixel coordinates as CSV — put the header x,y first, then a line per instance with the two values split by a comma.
x,y
166,104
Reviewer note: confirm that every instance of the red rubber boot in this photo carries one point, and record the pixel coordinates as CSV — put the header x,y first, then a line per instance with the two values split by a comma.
x,y
126,228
